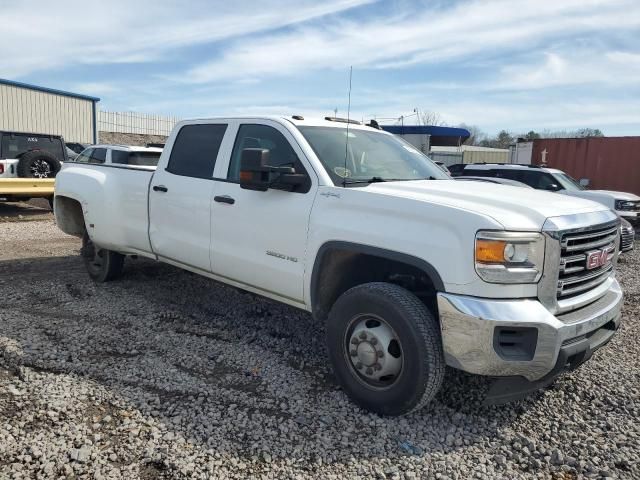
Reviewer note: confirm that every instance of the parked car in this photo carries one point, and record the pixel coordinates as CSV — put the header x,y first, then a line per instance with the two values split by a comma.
x,y
30,155
626,205
120,155
501,181
404,270
627,232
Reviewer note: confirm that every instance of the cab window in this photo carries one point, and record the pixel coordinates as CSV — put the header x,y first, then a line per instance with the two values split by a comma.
x,y
281,153
195,150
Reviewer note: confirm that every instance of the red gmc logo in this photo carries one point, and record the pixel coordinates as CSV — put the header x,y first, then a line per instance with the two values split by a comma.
x,y
597,258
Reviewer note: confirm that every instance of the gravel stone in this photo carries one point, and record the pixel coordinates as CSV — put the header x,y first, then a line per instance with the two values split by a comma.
x,y
164,374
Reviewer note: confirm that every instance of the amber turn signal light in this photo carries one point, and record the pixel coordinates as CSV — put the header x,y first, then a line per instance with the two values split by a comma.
x,y
490,251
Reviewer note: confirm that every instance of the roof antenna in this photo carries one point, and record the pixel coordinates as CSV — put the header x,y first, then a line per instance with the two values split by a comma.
x,y
346,145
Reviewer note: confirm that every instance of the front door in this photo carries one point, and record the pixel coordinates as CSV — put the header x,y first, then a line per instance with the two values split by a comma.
x,y
260,238
180,197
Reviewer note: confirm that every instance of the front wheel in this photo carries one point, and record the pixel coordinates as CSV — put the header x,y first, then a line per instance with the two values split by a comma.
x,y
102,265
385,348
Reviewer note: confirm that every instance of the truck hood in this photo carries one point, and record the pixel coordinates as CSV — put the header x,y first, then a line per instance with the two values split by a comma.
x,y
515,208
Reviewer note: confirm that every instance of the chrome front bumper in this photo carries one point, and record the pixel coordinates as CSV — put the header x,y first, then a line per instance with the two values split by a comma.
x,y
470,327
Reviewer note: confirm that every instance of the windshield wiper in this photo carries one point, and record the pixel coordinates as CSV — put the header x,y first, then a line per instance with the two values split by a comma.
x,y
380,179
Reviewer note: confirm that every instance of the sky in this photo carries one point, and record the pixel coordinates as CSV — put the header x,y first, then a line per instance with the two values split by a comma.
x,y
497,64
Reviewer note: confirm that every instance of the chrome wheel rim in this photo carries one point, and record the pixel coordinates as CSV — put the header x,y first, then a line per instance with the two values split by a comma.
x,y
40,168
373,351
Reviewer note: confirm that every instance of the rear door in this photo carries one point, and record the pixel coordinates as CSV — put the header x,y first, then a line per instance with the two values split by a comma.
x,y
180,196
259,238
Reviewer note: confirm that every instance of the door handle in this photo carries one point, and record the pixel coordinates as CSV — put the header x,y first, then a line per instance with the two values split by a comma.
x,y
224,199
160,188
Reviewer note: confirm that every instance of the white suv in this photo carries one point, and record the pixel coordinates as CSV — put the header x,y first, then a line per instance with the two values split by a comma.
x,y
626,205
120,155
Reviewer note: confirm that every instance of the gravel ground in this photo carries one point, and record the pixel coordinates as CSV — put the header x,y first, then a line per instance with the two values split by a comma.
x,y
165,374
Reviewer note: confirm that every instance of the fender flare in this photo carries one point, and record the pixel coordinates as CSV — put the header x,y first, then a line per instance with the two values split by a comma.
x,y
419,263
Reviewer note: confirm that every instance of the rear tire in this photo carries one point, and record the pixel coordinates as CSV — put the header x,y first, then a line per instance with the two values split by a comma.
x,y
38,164
385,348
102,265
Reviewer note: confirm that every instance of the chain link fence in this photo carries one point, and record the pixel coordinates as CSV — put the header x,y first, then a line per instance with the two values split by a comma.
x,y
137,123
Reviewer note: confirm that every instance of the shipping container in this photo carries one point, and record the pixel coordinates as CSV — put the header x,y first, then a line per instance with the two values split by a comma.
x,y
610,163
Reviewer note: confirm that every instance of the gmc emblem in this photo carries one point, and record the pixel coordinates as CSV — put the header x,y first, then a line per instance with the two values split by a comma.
x,y
597,258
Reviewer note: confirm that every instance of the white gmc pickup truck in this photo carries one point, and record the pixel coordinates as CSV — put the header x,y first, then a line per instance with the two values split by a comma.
x,y
404,270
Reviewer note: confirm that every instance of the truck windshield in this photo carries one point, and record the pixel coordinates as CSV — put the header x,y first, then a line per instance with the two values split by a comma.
x,y
567,182
368,156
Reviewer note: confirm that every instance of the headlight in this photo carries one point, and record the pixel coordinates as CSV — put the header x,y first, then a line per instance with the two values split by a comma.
x,y
509,257
624,205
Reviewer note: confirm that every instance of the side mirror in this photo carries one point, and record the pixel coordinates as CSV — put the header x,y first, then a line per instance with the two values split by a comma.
x,y
553,187
257,174
584,182
254,170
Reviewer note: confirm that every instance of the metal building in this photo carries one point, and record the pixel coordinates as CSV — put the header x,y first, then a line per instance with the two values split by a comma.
x,y
469,154
32,109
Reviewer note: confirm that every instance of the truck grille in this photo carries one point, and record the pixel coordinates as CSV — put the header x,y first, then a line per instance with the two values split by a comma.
x,y
575,275
627,235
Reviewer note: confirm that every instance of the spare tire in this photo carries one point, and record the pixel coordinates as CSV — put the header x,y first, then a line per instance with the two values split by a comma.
x,y
38,164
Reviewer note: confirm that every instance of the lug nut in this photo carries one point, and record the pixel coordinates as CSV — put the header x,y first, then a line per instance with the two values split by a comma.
x,y
359,366
369,371
377,366
355,341
373,341
380,353
353,353
363,335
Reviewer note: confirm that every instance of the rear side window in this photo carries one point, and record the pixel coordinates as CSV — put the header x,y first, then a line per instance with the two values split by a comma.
x,y
14,145
195,150
148,159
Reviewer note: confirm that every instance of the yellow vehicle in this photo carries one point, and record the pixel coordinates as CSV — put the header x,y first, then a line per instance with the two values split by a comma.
x,y
22,189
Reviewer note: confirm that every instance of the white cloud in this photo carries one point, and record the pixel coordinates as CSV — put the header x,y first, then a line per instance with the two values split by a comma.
x,y
466,30
95,88
38,35
576,68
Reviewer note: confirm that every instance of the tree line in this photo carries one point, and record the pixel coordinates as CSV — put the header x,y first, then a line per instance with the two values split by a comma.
x,y
504,138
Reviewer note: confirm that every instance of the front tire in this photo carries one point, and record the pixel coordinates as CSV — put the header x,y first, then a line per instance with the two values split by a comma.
x,y
102,265
385,348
